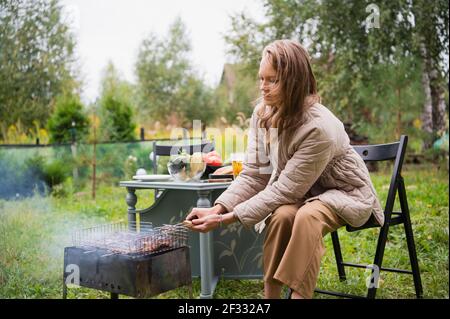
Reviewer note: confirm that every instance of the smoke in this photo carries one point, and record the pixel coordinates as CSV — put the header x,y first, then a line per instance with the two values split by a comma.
x,y
19,180
33,234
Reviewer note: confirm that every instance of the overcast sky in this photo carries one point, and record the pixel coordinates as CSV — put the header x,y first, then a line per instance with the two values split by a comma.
x,y
113,29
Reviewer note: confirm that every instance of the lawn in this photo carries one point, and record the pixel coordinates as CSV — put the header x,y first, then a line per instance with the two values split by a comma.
x,y
34,231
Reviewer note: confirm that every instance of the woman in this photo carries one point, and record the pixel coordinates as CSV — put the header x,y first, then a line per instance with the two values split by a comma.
x,y
315,182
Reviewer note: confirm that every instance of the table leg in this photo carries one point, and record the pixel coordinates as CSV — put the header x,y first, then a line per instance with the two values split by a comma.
x,y
208,280
131,202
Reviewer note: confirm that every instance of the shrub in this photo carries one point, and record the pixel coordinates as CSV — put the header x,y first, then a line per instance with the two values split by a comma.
x,y
38,172
130,166
117,119
69,118
55,173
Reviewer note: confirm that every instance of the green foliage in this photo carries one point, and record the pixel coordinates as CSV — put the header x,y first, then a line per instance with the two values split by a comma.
x,y
366,75
246,40
391,101
36,60
161,68
237,99
35,166
116,120
198,103
68,118
131,167
167,86
33,175
53,173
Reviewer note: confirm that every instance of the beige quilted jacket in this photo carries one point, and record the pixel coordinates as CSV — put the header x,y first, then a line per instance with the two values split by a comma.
x,y
317,163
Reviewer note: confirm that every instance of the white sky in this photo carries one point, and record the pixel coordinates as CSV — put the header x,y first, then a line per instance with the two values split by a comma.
x,y
113,30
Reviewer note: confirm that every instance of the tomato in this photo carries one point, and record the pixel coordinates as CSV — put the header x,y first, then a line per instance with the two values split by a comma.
x,y
215,162
212,158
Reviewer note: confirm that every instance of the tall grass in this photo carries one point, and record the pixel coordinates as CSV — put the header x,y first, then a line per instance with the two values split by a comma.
x,y
34,232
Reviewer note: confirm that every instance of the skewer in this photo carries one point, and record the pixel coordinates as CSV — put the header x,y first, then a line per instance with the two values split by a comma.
x,y
184,223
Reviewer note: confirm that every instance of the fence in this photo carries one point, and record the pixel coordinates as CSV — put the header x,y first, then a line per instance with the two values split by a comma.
x,y
27,168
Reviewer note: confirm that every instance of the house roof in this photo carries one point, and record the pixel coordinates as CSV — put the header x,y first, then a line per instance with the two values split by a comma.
x,y
228,75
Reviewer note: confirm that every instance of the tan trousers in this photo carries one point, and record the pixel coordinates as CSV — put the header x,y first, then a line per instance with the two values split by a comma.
x,y
293,245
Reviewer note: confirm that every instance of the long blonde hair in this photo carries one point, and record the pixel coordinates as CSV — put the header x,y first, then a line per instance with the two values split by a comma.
x,y
295,86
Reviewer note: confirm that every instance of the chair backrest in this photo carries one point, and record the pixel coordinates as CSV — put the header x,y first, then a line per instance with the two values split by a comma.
x,y
167,150
384,152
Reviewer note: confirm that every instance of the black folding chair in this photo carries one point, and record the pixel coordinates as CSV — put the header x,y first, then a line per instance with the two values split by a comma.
x,y
168,150
372,153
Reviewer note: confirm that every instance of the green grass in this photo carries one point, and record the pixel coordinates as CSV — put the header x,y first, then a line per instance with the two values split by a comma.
x,y
34,231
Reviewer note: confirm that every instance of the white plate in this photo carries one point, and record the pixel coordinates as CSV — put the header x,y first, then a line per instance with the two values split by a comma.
x,y
153,178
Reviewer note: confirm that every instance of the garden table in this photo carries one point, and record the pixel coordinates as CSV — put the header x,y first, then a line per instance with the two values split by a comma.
x,y
227,251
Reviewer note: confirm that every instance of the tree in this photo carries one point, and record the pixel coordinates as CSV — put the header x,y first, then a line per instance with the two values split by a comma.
x,y
117,119
116,112
162,68
167,85
36,60
198,103
67,120
432,40
346,50
237,92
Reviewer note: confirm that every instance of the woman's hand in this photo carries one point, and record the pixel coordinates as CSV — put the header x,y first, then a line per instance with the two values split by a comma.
x,y
207,223
206,219
198,212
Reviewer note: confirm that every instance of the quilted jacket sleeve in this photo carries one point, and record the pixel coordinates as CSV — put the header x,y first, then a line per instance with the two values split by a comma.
x,y
253,178
312,154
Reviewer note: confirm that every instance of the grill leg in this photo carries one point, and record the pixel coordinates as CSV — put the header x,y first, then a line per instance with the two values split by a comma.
x,y
64,295
191,295
114,295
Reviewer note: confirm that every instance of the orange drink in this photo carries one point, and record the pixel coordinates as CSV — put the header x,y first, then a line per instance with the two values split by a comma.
x,y
237,167
237,162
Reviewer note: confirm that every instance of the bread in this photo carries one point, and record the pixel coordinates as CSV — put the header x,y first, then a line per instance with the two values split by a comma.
x,y
226,170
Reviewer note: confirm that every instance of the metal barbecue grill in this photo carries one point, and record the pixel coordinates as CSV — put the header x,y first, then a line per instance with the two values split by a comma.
x,y
134,239
134,259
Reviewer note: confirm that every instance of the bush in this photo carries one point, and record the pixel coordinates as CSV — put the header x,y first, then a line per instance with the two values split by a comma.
x,y
117,119
130,167
55,173
38,171
69,110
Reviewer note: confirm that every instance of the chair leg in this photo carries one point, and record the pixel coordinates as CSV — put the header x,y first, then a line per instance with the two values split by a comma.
x,y
413,258
288,294
338,255
410,241
381,244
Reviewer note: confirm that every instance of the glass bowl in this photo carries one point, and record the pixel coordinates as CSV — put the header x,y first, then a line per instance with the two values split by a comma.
x,y
186,168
